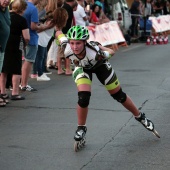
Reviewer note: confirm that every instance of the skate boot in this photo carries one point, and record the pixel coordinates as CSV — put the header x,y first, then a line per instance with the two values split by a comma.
x,y
80,138
148,124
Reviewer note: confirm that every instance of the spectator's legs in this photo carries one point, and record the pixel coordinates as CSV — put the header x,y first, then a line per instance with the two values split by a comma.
x,y
40,59
68,67
3,83
1,61
31,51
26,69
44,64
133,26
15,83
60,54
51,54
59,65
34,68
9,81
136,26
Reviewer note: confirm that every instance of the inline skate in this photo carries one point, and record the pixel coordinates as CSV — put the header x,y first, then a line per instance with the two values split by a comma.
x,y
148,124
79,138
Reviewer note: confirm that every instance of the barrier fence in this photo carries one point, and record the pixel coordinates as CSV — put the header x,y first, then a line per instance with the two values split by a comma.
x,y
160,24
160,30
108,34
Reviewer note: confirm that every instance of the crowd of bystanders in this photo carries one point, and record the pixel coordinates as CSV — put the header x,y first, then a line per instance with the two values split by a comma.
x,y
27,40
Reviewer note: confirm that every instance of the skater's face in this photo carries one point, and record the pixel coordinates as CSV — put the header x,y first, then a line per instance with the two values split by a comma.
x,y
77,46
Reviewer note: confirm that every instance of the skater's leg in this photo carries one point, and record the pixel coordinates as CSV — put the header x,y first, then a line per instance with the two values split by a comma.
x,y
126,101
118,94
109,79
82,111
82,115
129,105
84,92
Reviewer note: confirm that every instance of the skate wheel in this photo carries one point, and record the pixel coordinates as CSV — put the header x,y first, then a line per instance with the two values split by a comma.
x,y
156,133
79,144
76,147
83,143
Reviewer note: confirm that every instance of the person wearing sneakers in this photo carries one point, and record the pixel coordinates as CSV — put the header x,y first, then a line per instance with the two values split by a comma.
x,y
31,15
44,37
92,58
68,4
59,12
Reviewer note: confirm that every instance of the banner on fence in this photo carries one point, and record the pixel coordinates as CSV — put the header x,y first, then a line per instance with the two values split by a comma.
x,y
161,23
106,34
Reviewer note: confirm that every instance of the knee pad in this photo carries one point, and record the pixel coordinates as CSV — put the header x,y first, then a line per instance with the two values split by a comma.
x,y
120,96
84,98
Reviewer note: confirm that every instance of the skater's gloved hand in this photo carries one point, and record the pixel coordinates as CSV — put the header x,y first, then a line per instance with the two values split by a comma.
x,y
79,73
101,55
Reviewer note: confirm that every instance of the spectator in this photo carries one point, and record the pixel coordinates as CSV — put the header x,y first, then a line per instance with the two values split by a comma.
x,y
4,28
88,9
53,47
148,10
41,10
42,18
158,8
86,3
80,15
106,9
44,38
141,7
4,34
74,9
31,15
13,55
95,14
52,55
68,4
52,5
166,7
135,11
98,16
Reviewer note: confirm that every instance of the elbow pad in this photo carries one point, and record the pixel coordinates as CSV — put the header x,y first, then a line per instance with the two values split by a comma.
x,y
61,39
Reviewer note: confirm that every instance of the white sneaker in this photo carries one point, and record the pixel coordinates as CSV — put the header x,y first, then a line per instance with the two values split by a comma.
x,y
43,77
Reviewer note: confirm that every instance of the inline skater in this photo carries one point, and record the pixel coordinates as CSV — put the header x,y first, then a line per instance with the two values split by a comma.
x,y
92,58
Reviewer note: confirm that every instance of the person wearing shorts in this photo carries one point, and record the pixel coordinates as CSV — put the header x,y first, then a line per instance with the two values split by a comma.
x,y
92,58
31,15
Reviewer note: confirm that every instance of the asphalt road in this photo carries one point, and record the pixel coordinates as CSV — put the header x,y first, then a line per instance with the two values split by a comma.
x,y
37,134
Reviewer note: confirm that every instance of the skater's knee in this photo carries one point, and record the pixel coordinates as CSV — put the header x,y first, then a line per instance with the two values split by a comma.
x,y
120,96
84,98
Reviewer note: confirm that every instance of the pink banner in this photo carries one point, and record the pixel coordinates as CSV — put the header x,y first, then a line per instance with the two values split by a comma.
x,y
161,23
106,34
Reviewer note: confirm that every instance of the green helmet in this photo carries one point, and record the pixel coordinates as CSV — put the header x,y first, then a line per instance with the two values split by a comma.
x,y
78,33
